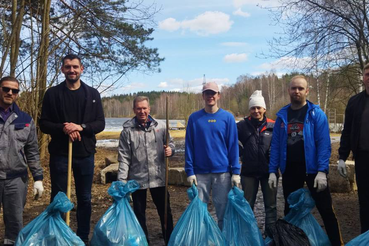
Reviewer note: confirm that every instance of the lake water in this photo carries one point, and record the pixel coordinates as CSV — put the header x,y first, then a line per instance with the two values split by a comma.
x,y
116,125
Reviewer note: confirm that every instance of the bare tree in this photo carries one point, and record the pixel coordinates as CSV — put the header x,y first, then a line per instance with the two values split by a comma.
x,y
332,33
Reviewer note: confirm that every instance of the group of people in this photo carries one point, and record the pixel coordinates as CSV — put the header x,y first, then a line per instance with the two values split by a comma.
x,y
297,146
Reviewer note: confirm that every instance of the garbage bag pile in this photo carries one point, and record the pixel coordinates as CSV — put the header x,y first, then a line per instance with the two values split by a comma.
x,y
119,225
240,226
196,226
301,204
49,227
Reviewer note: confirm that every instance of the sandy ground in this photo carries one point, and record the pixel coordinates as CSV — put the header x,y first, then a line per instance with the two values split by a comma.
x,y
346,205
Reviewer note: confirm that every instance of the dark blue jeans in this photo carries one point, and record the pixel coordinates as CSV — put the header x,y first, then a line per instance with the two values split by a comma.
x,y
83,172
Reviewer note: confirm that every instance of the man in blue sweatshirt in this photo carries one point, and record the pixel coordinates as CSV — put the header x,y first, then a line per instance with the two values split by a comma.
x,y
212,151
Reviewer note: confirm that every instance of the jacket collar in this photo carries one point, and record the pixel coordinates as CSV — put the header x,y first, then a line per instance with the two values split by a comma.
x,y
282,113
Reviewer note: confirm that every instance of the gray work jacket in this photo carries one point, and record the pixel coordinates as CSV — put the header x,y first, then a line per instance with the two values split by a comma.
x,y
18,146
141,153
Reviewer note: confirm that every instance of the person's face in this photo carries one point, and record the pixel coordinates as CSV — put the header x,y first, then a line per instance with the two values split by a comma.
x,y
210,97
8,93
72,70
366,79
298,91
257,112
142,111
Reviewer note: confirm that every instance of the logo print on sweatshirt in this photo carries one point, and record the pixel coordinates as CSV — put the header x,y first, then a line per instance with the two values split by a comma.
x,y
212,121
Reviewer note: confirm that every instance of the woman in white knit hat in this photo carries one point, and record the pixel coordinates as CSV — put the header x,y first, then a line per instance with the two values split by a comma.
x,y
255,135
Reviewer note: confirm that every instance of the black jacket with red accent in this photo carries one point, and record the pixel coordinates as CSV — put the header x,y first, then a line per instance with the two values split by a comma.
x,y
255,147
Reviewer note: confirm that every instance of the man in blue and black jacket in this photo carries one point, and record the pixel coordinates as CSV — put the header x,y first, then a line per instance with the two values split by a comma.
x,y
301,148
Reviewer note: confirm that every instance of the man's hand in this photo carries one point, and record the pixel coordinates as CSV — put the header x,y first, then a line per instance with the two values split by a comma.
x,y
236,180
320,181
38,189
168,151
272,181
75,136
342,168
70,127
192,179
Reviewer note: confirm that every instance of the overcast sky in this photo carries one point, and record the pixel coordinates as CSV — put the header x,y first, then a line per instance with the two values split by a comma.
x,y
222,39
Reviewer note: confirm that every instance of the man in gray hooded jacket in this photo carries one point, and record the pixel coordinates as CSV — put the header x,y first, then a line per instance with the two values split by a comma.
x,y
141,155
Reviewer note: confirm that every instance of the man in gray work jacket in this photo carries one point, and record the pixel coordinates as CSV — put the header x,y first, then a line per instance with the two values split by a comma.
x,y
141,157
18,150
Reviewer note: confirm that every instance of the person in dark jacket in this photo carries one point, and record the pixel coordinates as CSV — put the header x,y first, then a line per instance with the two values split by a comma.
x,y
73,110
355,138
254,136
18,151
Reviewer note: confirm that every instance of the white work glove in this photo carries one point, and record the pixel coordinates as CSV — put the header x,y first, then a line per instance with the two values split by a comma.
x,y
272,181
192,179
124,181
320,181
236,180
342,168
38,189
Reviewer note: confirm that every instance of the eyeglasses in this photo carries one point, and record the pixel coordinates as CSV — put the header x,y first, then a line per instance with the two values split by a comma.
x,y
7,89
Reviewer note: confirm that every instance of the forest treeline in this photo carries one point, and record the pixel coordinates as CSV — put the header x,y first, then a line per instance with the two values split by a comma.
x,y
331,90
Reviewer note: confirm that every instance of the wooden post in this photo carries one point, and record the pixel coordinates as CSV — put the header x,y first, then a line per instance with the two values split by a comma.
x,y
70,148
166,173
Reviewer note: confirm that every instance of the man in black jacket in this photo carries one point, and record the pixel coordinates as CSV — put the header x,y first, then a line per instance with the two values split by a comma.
x,y
73,110
355,138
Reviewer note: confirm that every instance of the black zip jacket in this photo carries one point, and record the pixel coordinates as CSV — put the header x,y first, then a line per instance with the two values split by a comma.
x,y
53,116
351,129
255,149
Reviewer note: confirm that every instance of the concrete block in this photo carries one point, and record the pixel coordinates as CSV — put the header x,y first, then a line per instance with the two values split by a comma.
x,y
177,176
339,184
109,173
111,159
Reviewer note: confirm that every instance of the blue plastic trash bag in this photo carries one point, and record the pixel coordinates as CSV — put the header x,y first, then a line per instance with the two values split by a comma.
x,y
361,240
196,226
119,225
301,203
240,227
49,228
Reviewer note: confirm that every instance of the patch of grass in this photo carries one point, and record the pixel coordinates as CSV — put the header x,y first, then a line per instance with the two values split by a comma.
x,y
108,135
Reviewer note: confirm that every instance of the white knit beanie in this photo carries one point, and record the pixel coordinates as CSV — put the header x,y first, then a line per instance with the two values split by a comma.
x,y
257,100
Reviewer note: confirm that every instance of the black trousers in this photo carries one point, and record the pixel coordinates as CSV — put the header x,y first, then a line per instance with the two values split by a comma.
x,y
293,180
362,181
139,207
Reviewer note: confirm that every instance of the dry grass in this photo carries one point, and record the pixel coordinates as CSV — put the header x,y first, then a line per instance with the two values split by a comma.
x,y
115,135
